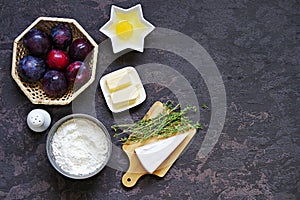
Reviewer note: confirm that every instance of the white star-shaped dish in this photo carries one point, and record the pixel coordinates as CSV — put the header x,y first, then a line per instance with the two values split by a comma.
x,y
127,28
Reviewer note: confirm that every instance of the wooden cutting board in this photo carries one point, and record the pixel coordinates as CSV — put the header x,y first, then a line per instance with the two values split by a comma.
x,y
136,170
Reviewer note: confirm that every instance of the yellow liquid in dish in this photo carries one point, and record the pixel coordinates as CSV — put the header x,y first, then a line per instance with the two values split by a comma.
x,y
126,24
124,29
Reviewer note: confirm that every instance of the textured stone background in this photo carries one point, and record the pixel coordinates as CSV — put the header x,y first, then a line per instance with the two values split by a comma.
x,y
255,45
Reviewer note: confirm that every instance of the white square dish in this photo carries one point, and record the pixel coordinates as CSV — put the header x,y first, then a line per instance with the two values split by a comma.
x,y
136,81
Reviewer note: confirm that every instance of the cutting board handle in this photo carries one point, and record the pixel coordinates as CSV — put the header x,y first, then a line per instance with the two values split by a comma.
x,y
130,179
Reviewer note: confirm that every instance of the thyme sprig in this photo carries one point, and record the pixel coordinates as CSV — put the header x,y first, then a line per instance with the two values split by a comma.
x,y
173,120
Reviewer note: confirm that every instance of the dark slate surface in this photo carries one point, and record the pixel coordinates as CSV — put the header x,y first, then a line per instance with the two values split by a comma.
x,y
255,45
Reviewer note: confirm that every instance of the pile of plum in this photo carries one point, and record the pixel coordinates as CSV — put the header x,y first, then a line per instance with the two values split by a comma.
x,y
55,59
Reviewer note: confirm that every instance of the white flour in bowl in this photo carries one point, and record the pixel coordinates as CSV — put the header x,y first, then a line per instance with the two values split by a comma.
x,y
80,146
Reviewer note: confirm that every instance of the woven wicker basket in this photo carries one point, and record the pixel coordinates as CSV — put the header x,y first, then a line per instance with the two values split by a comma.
x,y
34,90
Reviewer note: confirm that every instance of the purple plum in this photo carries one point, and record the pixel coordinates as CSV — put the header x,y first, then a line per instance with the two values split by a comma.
x,y
61,36
55,83
37,42
79,49
31,68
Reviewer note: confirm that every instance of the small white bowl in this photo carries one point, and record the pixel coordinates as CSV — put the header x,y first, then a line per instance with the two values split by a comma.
x,y
136,41
135,80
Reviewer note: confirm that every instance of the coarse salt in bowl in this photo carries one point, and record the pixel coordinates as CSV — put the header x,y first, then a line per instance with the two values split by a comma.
x,y
78,146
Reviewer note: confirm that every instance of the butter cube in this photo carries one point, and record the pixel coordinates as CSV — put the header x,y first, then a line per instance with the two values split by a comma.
x,y
125,97
118,82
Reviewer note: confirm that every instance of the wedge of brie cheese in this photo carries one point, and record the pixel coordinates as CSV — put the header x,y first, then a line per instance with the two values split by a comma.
x,y
154,154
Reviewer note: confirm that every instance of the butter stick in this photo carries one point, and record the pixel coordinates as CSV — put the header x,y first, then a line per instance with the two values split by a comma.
x,y
118,82
125,97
